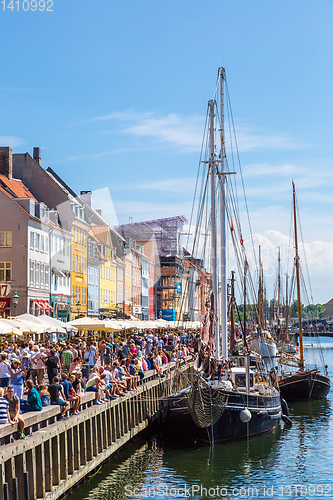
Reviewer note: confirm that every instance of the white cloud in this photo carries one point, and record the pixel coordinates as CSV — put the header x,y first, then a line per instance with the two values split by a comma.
x,y
146,210
174,185
316,257
11,141
185,132
265,169
249,139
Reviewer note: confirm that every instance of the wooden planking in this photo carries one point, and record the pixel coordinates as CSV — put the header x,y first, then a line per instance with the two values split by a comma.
x,y
59,455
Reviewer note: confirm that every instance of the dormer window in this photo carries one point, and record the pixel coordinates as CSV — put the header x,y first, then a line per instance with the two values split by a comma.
x,y
32,207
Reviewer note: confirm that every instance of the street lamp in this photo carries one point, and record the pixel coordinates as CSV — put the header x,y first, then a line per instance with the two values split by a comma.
x,y
15,299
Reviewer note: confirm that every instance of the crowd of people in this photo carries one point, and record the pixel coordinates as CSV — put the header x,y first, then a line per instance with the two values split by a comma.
x,y
34,375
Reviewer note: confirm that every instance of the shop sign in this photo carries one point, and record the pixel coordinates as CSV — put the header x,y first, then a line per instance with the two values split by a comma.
x,y
4,304
5,289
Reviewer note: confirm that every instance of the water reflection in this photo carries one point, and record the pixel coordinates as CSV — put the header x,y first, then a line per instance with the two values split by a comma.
x,y
111,484
302,454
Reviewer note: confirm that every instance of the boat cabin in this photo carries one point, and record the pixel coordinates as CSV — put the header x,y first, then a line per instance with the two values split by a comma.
x,y
238,375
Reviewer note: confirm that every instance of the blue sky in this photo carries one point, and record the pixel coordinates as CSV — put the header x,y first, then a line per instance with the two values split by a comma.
x,y
115,94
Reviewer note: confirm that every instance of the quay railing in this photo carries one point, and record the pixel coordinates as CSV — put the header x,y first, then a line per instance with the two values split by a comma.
x,y
58,455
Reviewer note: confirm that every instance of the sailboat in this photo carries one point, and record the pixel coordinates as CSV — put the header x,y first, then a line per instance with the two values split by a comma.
x,y
230,397
305,383
263,342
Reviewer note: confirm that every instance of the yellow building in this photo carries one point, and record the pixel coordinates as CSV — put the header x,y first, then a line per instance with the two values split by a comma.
x,y
108,270
79,246
128,281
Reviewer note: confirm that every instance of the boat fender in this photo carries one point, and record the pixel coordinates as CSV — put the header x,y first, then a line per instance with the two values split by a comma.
x,y
284,406
286,420
245,415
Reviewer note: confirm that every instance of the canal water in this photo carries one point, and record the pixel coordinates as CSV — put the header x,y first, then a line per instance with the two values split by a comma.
x,y
291,462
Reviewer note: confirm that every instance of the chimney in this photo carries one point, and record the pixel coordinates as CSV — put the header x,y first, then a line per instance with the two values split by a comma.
x,y
6,162
37,157
100,212
86,196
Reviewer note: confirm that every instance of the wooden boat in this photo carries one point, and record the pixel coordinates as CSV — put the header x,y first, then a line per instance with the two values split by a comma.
x,y
305,383
230,397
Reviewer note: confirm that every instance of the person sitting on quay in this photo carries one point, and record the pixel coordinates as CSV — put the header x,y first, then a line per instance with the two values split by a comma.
x,y
162,356
33,403
14,410
79,383
69,393
4,409
58,397
76,386
105,390
44,395
130,379
157,365
93,385
117,386
121,385
107,378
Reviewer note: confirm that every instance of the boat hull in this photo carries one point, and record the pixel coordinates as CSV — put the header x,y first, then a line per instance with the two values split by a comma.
x,y
265,414
309,384
265,347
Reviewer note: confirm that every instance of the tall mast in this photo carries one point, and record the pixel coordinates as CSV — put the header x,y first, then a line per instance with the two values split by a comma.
x,y
287,311
301,365
279,288
232,312
213,256
223,258
260,295
244,319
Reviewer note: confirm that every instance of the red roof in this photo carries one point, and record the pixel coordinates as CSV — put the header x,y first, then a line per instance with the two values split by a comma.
x,y
100,232
10,196
17,187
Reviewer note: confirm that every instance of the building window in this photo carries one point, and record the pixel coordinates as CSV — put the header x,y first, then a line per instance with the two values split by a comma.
x,y
5,271
42,275
5,238
47,276
32,273
32,240
37,274
37,237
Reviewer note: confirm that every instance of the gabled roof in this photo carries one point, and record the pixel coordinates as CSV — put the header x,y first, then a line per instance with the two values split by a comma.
x,y
329,303
61,183
11,197
18,188
100,233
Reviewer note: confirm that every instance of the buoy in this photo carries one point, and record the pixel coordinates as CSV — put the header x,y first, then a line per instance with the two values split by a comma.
x,y
245,415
